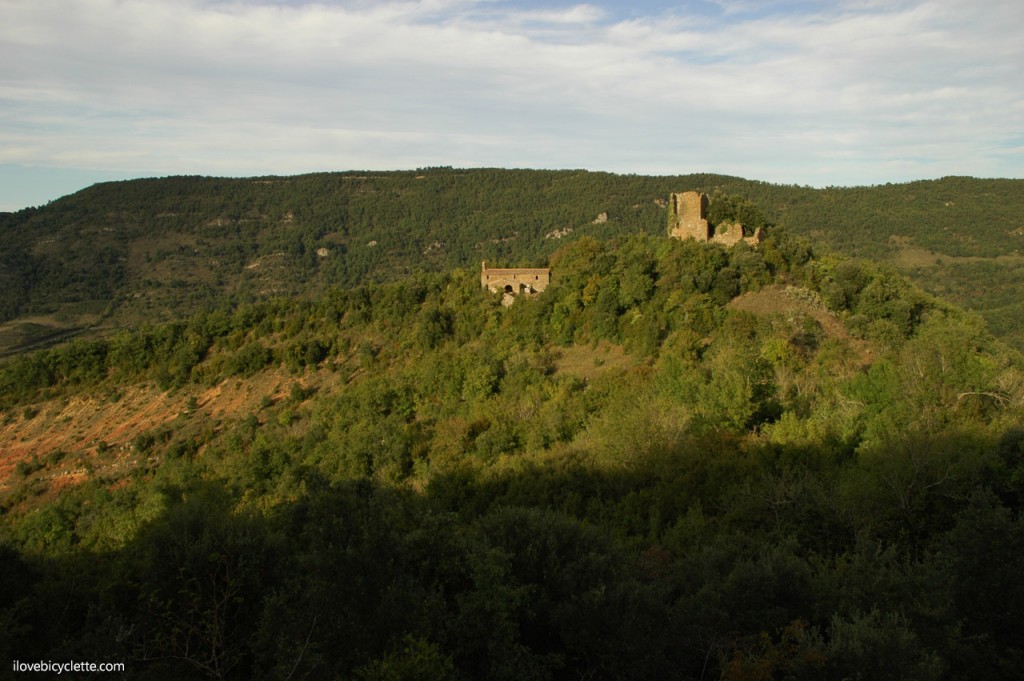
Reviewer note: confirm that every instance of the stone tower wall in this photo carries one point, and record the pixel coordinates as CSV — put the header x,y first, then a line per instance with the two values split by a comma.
x,y
688,216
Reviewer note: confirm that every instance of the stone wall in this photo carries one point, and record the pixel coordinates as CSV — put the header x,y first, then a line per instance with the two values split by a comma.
x,y
515,281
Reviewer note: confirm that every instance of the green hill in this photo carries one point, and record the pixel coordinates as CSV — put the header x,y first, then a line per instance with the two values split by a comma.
x,y
127,253
678,461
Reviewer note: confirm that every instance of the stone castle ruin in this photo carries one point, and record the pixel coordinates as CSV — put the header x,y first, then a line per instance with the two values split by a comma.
x,y
687,219
514,281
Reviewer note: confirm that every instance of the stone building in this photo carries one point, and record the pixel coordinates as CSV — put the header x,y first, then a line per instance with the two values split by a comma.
x,y
688,220
515,281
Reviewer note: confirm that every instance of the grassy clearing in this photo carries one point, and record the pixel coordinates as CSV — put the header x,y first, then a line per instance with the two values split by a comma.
x,y
590,361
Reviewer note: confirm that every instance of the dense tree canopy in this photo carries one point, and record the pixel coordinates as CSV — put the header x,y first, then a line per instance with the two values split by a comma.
x,y
679,461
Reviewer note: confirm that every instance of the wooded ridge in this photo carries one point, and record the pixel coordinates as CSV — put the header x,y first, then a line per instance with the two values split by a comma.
x,y
122,254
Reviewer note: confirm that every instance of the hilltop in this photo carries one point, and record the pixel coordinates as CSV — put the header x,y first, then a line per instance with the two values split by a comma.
x,y
124,254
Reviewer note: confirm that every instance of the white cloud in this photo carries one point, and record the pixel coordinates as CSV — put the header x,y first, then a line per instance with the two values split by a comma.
x,y
852,92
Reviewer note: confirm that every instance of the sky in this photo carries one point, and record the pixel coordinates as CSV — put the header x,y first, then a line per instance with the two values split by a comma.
x,y
841,92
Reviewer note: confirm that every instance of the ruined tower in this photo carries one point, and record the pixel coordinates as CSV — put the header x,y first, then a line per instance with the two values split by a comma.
x,y
687,219
688,216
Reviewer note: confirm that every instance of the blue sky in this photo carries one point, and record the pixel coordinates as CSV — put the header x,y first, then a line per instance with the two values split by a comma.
x,y
845,92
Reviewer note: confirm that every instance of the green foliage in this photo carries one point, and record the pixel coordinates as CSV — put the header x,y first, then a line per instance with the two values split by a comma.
x,y
879,646
417,660
637,474
250,359
727,208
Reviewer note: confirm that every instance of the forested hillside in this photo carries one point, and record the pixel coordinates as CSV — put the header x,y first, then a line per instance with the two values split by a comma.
x,y
124,254
677,462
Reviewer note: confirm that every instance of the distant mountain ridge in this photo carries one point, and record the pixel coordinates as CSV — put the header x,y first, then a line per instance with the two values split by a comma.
x,y
122,253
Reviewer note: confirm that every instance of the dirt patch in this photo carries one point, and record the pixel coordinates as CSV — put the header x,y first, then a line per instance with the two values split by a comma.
x,y
79,424
790,302
101,428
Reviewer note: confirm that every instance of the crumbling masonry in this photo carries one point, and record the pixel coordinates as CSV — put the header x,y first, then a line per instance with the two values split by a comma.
x,y
688,220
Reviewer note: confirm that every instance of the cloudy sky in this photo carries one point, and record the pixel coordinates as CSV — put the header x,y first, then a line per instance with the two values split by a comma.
x,y
820,93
